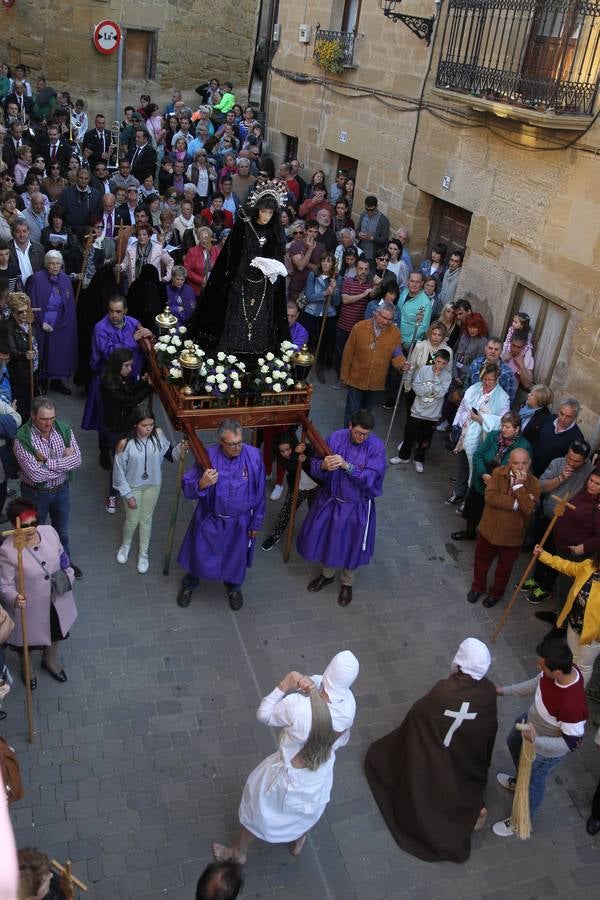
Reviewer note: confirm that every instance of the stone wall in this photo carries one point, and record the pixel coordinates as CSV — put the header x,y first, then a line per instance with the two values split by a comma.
x,y
195,40
535,215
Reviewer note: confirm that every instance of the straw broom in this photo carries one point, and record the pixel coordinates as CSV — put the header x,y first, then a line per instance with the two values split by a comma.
x,y
520,819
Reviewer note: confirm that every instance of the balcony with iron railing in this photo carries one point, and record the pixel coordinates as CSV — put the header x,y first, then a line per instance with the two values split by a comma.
x,y
334,50
532,60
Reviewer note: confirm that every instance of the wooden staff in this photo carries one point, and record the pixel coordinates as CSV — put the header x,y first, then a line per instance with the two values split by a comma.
x,y
413,341
322,329
89,238
124,230
294,506
559,510
20,536
30,321
68,882
174,510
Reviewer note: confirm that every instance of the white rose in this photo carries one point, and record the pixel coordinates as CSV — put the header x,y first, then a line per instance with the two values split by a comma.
x,y
290,381
264,369
208,389
172,350
211,379
241,366
221,356
233,374
176,342
203,371
231,359
158,347
277,374
222,388
182,329
277,388
219,378
220,369
268,381
175,373
166,339
270,356
285,345
260,361
237,385
188,344
210,362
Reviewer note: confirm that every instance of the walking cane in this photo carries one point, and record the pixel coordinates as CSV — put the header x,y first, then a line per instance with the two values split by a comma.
x,y
418,320
19,537
30,321
294,506
174,510
86,253
559,510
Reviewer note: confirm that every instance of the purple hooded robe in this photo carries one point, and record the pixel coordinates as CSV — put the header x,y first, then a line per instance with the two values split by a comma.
x,y
216,545
339,528
53,296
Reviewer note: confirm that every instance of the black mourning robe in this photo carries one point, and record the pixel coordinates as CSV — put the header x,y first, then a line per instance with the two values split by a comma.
x,y
430,794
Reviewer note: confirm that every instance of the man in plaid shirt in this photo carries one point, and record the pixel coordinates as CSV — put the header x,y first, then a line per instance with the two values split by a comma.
x,y
47,453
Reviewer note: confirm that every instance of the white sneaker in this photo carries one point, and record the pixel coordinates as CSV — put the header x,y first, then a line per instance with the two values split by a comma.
x,y
503,828
111,505
123,554
339,386
276,492
443,426
143,564
419,466
400,446
397,461
507,781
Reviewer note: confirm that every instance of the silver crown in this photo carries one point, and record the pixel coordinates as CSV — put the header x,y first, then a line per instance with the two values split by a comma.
x,y
275,189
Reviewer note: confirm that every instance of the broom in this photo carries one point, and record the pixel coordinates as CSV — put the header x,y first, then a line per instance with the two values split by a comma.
x,y
520,819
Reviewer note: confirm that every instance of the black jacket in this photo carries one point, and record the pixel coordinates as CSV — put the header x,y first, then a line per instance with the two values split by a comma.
x,y
145,161
80,206
530,432
91,141
119,401
18,344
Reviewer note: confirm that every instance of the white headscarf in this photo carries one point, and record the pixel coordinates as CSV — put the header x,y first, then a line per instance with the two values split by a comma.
x,y
338,677
473,658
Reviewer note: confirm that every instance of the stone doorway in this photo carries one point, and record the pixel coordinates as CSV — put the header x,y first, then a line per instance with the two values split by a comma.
x,y
449,224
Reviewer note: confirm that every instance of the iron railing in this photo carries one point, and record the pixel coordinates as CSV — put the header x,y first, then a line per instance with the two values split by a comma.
x,y
538,54
344,40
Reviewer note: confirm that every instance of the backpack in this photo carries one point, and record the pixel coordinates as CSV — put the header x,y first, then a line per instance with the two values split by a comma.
x,y
11,774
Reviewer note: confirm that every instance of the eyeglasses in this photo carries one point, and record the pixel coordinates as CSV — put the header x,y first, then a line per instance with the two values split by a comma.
x,y
32,524
298,233
232,444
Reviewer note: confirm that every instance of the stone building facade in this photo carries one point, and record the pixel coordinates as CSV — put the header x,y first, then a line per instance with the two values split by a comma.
x,y
168,43
490,145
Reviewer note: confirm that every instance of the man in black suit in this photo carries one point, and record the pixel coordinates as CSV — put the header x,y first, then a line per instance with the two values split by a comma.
x,y
80,202
97,141
143,156
13,140
125,214
25,254
56,149
19,96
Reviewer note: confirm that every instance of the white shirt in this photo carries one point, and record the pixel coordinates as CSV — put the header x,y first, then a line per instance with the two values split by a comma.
x,y
24,262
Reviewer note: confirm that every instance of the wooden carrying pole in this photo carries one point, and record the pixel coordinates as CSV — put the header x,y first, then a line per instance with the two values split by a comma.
x,y
294,506
89,238
19,537
322,329
559,510
30,321
124,231
174,510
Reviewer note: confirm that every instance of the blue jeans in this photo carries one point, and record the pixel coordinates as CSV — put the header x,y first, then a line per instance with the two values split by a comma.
x,y
541,768
57,504
357,399
189,582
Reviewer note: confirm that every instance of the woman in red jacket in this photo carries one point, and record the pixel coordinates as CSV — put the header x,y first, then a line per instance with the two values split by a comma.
x,y
200,259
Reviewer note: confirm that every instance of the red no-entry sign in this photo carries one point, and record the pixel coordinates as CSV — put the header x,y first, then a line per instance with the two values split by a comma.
x,y
107,36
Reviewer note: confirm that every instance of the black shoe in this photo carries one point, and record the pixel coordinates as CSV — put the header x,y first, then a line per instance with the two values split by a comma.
x,y
345,595
184,597
473,596
388,404
32,681
58,676
320,375
463,536
77,572
105,460
319,583
592,826
550,617
269,543
236,600
489,601
60,387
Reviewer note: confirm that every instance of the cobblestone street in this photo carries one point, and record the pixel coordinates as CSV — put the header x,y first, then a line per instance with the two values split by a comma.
x,y
138,761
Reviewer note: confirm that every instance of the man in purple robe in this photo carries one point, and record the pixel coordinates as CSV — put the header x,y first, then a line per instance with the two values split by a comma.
x,y
339,528
115,330
219,543
55,326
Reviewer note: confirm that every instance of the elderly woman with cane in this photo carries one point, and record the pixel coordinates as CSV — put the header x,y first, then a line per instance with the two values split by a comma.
x,y
49,604
288,791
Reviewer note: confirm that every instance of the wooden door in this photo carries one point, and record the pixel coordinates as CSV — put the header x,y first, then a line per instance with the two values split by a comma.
x,y
552,45
449,225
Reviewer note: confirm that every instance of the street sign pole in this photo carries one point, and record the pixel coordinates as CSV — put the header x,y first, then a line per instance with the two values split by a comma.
x,y
119,77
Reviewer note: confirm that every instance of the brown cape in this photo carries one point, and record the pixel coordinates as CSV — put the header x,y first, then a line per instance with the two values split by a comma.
x,y
431,795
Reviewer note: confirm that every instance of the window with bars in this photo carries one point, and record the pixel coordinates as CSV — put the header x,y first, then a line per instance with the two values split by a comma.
x,y
539,54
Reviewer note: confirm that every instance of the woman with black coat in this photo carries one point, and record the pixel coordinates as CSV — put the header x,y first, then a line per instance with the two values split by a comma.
x,y
535,411
120,395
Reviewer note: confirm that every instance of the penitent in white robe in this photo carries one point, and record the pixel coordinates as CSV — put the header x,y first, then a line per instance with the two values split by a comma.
x,y
280,803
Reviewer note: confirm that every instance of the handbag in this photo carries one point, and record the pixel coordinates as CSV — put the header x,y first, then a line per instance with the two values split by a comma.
x,y
60,582
6,626
10,773
301,300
